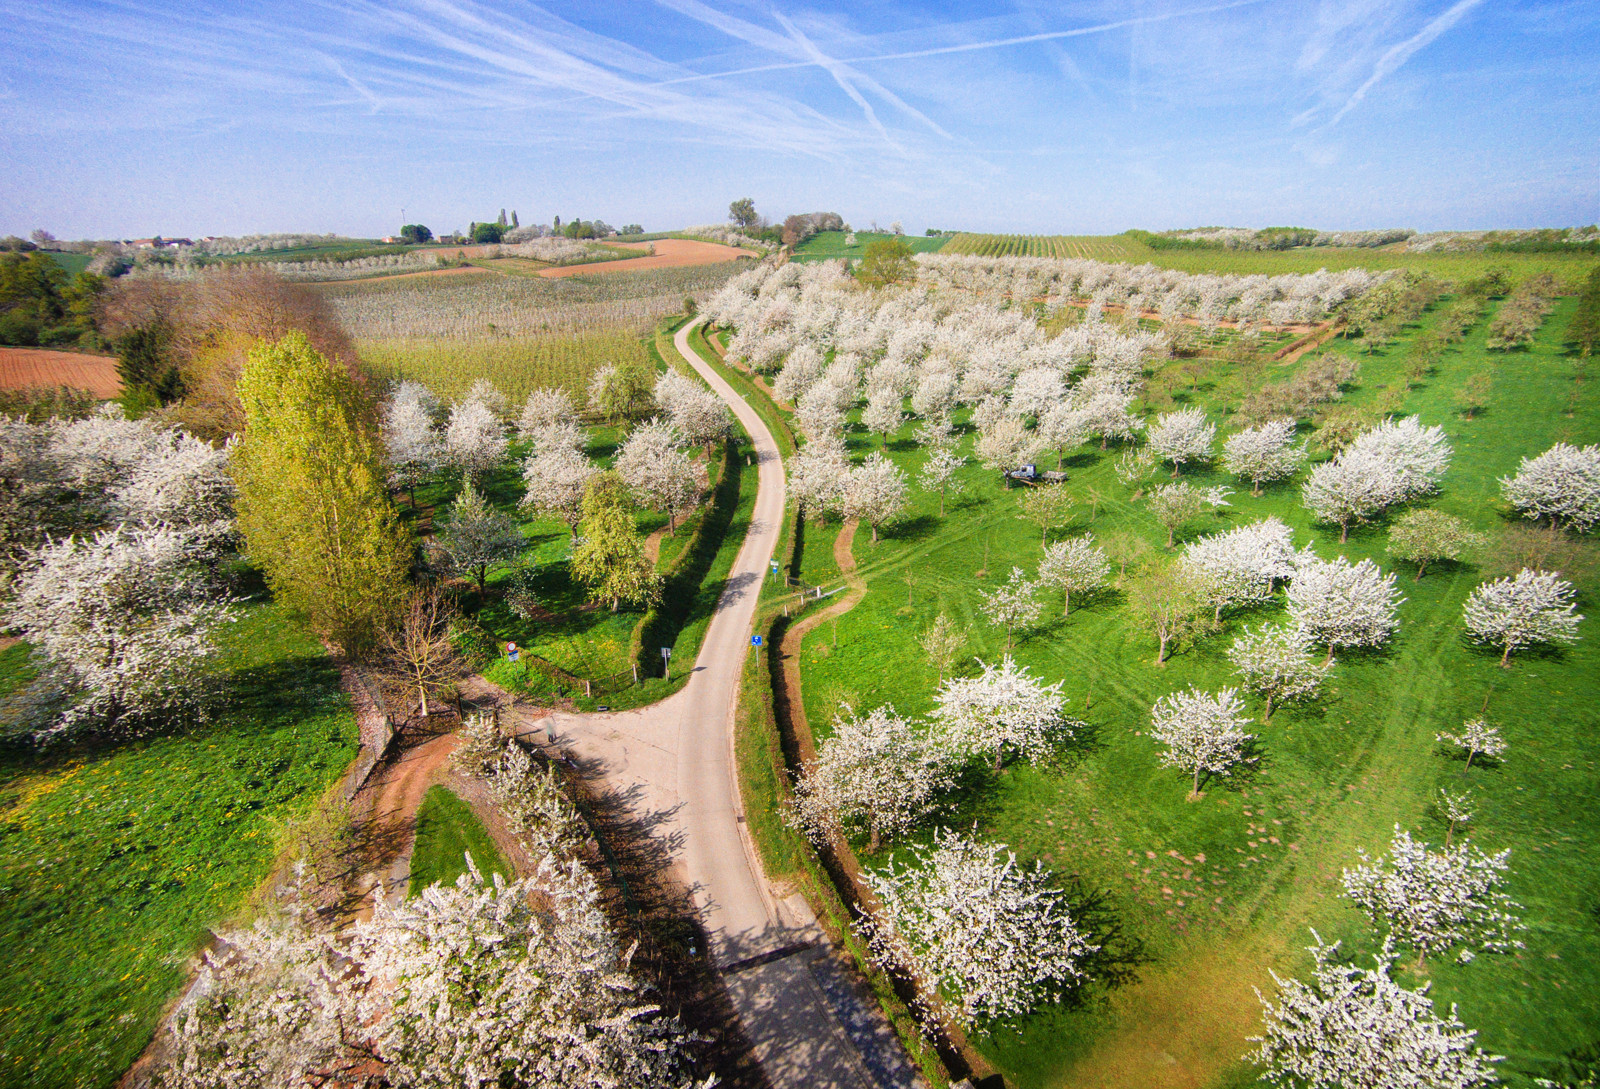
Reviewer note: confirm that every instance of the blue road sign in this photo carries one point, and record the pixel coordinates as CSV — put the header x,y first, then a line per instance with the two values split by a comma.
x,y
755,640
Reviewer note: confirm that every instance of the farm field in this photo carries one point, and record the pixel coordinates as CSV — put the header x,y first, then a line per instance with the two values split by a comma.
x,y
830,245
117,860
669,253
1567,268
1208,895
515,366
1090,247
26,368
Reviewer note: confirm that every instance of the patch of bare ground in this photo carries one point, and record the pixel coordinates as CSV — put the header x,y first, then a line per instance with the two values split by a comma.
x,y
28,368
669,253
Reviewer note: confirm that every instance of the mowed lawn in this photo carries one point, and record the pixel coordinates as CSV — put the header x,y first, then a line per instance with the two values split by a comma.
x,y
447,832
116,861
1206,896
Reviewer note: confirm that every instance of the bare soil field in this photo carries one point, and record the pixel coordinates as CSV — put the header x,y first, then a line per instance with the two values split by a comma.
x,y
23,368
670,253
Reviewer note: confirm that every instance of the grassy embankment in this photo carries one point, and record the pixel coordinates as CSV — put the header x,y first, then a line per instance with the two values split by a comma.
x,y
830,245
117,859
1216,891
447,831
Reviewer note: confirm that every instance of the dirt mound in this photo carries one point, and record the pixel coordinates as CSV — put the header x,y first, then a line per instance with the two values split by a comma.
x,y
23,368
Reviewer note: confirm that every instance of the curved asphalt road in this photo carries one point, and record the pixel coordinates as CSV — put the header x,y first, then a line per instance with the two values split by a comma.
x,y
809,1019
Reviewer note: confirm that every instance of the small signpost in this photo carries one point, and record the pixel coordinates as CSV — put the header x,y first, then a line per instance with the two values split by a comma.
x,y
512,652
776,566
755,641
666,661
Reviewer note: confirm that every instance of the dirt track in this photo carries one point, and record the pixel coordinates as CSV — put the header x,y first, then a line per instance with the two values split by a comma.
x,y
22,368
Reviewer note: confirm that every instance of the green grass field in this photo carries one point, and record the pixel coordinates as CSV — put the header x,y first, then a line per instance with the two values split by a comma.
x,y
829,245
73,263
515,366
1455,267
1214,892
116,861
447,831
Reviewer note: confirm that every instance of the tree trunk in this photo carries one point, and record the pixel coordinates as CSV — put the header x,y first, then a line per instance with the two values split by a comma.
x,y
483,580
1344,532
1505,659
1196,793
941,502
1421,567
422,690
874,837
1267,716
1329,658
1256,490
1174,470
1161,651
1169,536
1066,604
874,533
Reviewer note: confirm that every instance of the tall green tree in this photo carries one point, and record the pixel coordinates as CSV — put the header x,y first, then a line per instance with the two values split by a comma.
x,y
312,504
609,557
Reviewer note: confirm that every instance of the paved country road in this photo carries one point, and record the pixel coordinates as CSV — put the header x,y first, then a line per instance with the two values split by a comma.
x,y
808,1015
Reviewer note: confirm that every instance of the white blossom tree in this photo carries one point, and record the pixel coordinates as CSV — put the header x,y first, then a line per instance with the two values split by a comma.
x,y
1561,484
1275,661
1013,604
410,436
1202,732
1426,536
940,473
475,537
1062,426
1182,437
545,407
1340,604
1264,453
1349,489
1358,1029
1006,444
475,986
1110,415
986,938
1456,809
126,622
1478,738
181,482
1239,567
1521,610
475,439
1436,900
883,415
700,417
878,770
656,469
1075,565
817,477
1004,709
874,492
554,483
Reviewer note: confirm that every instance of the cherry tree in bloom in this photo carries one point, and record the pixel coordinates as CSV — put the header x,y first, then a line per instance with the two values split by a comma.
x,y
1519,611
181,482
986,938
1436,900
1561,484
485,392
817,477
874,492
1394,462
1181,437
477,986
1276,662
1075,565
800,372
883,416
1035,390
878,771
660,474
545,407
940,473
1340,604
935,394
935,433
126,621
1110,415
1239,567
410,436
1062,426
554,482
1012,605
1005,708
1355,1028
1478,738
1202,732
1006,444
1262,454
475,537
475,439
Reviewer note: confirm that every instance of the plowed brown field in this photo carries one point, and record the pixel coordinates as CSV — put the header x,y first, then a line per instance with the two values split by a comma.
x,y
670,253
22,368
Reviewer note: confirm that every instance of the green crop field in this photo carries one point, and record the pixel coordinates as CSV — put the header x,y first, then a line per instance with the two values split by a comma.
x,y
447,831
1092,247
116,860
1455,267
515,366
829,245
1205,896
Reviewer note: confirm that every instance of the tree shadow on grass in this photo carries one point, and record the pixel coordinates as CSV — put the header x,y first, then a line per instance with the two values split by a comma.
x,y
912,529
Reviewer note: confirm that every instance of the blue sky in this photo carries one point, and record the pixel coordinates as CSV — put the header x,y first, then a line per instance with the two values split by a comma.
x,y
119,119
